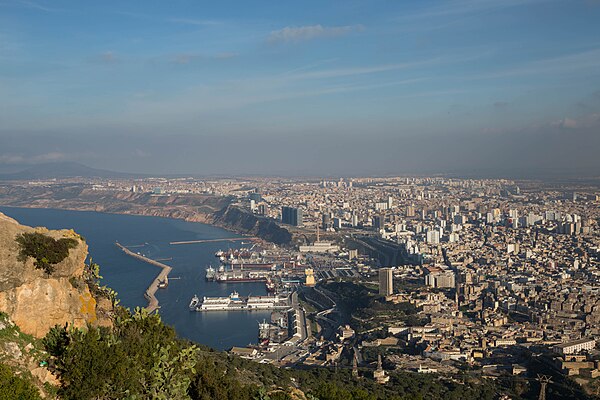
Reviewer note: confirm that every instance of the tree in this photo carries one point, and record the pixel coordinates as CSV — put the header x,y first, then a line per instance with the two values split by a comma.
x,y
14,387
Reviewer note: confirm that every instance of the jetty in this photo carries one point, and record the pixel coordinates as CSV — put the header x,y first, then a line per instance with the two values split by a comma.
x,y
161,279
215,240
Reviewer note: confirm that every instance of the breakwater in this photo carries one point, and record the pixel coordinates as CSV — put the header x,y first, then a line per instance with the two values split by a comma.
x,y
162,277
214,240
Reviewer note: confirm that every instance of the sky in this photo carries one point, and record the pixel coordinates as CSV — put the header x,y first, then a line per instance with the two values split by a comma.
x,y
320,88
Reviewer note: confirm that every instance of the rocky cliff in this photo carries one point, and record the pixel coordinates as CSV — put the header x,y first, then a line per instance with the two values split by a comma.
x,y
242,221
36,301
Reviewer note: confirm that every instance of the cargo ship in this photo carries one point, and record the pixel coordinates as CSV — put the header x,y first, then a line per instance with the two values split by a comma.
x,y
242,276
234,302
240,272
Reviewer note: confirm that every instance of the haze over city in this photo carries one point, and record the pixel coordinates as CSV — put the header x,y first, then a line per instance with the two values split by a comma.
x,y
493,87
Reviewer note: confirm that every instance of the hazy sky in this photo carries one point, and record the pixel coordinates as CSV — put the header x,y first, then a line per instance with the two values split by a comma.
x,y
302,87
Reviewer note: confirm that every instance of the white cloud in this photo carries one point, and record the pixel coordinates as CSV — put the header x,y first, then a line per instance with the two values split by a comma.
x,y
141,153
567,63
303,33
21,159
350,71
463,7
190,21
11,158
584,122
187,58
568,123
108,57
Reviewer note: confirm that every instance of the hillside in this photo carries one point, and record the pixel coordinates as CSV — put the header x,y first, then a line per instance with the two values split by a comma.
x,y
57,170
32,301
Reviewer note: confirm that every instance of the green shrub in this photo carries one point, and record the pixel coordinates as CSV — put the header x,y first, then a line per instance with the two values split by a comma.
x,y
47,251
14,387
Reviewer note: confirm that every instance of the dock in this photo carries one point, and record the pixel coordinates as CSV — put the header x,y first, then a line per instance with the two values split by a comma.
x,y
163,276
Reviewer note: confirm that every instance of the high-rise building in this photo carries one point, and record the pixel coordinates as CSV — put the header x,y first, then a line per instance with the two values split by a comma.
x,y
326,222
352,254
262,209
291,216
439,277
433,236
337,223
459,219
381,206
379,221
255,195
386,282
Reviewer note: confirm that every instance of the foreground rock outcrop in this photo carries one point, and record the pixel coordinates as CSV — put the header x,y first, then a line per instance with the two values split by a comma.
x,y
36,301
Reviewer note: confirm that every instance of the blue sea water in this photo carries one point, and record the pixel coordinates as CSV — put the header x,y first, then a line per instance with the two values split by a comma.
x,y
130,277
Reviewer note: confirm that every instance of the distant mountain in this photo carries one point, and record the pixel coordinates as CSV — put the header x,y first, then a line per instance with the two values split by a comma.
x,y
63,170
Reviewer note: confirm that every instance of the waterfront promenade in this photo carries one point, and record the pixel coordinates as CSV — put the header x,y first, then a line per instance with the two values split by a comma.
x,y
163,276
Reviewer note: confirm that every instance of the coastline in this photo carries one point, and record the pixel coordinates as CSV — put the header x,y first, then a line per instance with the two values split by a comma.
x,y
130,278
199,218
219,211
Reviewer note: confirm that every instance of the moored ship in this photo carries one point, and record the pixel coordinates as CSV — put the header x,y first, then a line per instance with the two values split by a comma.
x,y
241,276
234,302
270,286
210,273
194,303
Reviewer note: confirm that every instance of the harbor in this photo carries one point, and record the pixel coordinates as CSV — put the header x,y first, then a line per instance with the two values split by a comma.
x,y
161,280
279,270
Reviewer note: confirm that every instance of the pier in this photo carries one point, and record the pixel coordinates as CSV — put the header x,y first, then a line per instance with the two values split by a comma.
x,y
215,240
163,276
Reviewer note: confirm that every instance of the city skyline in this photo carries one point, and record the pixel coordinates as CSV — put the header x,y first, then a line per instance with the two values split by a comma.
x,y
343,88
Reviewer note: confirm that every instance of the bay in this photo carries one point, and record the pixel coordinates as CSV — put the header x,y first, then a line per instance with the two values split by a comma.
x,y
130,277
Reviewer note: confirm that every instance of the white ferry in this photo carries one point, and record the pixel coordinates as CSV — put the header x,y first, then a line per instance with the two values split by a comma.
x,y
233,301
236,303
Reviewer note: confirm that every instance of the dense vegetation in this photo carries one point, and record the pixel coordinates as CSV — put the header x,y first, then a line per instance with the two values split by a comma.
x,y
139,358
47,251
14,387
142,358
364,309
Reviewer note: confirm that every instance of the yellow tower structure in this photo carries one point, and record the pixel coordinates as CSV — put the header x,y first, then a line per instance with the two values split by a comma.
x,y
310,277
